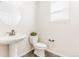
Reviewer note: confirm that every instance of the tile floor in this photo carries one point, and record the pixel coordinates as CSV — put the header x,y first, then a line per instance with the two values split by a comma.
x,y
47,54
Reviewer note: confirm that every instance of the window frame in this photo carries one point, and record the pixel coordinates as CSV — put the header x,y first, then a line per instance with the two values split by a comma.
x,y
65,10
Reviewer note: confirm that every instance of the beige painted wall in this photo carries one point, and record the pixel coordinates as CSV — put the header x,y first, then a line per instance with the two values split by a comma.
x,y
65,33
4,50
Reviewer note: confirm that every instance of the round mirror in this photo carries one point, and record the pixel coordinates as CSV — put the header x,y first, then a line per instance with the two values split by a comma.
x,y
9,13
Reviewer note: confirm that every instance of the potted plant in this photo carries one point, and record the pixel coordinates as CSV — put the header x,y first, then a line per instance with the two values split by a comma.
x,y
33,35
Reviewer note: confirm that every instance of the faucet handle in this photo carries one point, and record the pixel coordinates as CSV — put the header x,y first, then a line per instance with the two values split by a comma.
x,y
12,30
11,33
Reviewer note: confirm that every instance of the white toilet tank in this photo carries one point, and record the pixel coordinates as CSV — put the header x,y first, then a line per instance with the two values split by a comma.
x,y
33,39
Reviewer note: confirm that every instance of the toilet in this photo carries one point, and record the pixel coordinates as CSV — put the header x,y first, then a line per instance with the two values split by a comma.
x,y
39,47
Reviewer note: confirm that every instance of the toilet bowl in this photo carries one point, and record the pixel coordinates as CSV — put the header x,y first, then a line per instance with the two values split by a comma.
x,y
39,47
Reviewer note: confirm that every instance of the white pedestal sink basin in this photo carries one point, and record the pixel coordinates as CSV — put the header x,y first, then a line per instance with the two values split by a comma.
x,y
6,39
11,41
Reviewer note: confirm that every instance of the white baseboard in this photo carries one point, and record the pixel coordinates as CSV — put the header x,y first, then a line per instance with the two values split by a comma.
x,y
59,54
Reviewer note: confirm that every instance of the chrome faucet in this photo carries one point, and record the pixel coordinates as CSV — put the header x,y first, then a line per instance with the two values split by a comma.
x,y
12,33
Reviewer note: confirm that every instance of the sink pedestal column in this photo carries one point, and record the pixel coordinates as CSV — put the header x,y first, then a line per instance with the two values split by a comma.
x,y
13,50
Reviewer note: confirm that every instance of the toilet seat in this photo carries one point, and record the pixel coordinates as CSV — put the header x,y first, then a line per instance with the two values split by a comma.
x,y
40,46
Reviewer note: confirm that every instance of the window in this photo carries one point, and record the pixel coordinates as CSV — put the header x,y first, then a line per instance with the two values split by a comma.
x,y
59,10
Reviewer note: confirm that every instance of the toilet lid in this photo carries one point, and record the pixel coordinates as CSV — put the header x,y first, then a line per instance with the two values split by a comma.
x,y
40,45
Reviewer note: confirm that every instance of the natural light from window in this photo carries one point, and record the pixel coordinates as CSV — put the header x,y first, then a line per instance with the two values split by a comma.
x,y
59,10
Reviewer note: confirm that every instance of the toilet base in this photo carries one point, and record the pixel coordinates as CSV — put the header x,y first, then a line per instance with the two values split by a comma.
x,y
39,52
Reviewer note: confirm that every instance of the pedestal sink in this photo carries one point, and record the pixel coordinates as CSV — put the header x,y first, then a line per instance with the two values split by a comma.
x,y
10,14
11,41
